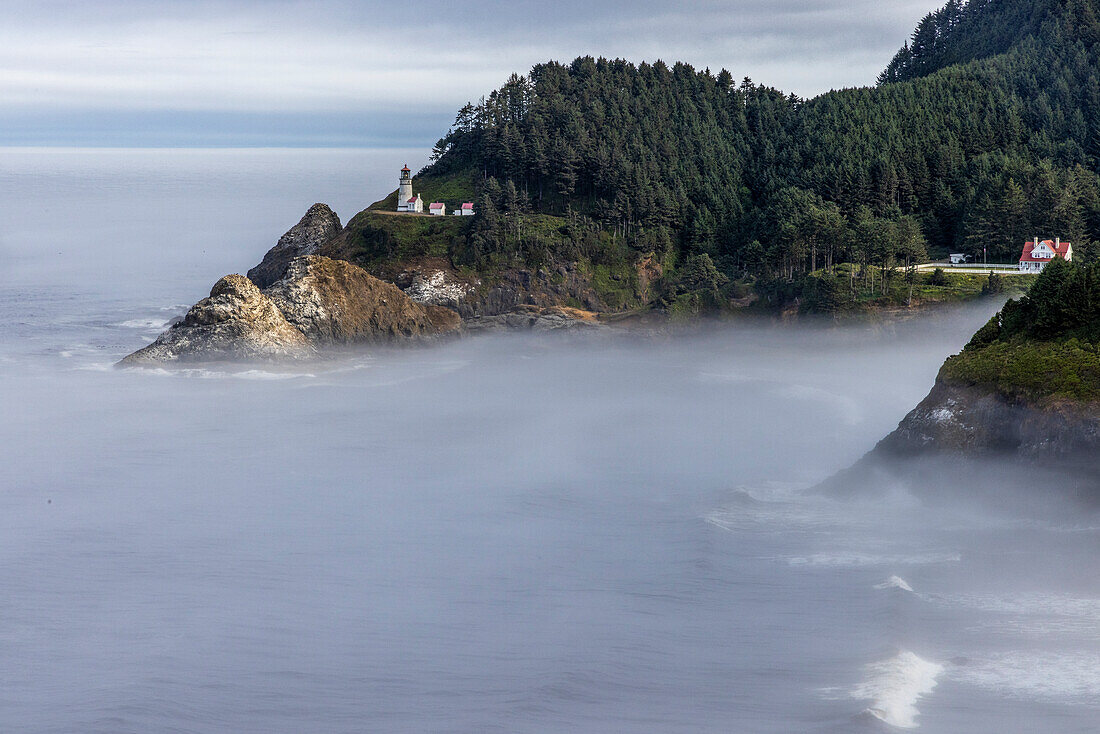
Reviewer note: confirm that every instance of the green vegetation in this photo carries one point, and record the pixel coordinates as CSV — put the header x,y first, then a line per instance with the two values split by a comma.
x,y
374,239
1044,345
453,189
1025,369
848,288
982,132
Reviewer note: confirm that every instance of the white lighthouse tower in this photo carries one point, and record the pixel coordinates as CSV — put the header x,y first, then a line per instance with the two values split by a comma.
x,y
407,201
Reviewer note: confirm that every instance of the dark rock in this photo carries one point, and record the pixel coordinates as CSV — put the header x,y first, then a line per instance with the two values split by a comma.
x,y
533,318
976,421
319,225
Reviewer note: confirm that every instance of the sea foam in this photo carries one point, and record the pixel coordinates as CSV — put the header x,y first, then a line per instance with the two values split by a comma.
x,y
855,559
149,324
1067,676
894,686
895,582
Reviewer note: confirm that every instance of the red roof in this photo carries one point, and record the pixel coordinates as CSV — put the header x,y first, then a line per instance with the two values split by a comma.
x,y
406,168
436,205
1060,249
413,199
468,205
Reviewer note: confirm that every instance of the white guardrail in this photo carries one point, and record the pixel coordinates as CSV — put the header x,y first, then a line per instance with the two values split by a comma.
x,y
979,267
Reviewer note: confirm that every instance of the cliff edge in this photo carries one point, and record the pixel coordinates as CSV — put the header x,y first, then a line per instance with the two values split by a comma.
x,y
1026,386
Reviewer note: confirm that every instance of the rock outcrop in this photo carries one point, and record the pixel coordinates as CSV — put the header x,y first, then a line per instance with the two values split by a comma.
x,y
335,302
318,302
535,318
435,287
977,421
237,321
319,225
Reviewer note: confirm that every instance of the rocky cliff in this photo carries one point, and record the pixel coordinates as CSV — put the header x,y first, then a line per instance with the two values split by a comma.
x,y
299,299
319,225
335,302
317,302
975,420
236,321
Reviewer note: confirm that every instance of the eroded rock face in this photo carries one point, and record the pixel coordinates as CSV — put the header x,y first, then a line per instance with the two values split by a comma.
x,y
541,288
534,318
973,421
317,302
336,302
319,225
236,321
434,287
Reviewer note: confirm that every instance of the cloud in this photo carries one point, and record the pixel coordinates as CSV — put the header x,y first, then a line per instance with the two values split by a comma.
x,y
373,59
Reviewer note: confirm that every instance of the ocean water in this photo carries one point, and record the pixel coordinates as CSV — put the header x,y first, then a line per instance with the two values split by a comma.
x,y
497,534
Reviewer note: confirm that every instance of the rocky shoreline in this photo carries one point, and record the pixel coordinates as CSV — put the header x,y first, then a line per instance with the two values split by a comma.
x,y
977,421
307,294
297,302
1000,449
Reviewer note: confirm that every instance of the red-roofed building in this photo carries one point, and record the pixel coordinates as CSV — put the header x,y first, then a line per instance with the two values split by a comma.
x,y
1037,254
437,209
466,210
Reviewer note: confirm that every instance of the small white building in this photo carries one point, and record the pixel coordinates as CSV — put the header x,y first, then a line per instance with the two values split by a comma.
x,y
958,258
466,210
413,205
437,209
1037,254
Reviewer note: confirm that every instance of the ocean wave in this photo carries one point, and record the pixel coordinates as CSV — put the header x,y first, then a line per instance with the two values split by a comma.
x,y
147,324
1064,676
894,686
784,504
1029,604
202,373
895,582
855,559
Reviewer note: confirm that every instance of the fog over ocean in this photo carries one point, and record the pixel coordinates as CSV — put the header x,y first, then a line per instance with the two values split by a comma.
x,y
494,534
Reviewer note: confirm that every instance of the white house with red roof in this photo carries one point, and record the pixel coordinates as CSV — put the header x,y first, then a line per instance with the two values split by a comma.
x,y
466,210
415,204
1037,254
437,209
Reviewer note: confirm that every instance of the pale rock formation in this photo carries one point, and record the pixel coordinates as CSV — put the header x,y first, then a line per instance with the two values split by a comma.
x,y
236,322
336,302
317,302
535,318
435,288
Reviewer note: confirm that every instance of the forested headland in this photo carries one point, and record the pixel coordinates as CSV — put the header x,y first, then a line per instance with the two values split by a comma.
x,y
982,132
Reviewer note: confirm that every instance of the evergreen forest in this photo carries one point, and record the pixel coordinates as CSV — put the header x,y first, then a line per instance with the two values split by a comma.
x,y
982,132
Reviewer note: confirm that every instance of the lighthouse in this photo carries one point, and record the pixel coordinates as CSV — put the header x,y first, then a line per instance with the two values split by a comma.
x,y
405,188
407,201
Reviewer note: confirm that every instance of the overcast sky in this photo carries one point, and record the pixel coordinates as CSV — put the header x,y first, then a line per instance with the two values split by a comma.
x,y
343,73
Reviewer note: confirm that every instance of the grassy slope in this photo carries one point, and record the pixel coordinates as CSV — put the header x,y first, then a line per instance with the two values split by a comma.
x,y
374,239
1024,368
956,288
452,190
